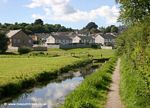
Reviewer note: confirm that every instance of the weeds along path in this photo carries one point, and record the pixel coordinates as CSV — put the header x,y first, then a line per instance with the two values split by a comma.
x,y
114,100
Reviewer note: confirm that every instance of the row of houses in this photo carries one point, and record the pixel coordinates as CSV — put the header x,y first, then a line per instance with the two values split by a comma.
x,y
74,38
19,38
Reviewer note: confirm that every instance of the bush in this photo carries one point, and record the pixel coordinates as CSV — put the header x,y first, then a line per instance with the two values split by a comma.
x,y
24,50
95,46
3,43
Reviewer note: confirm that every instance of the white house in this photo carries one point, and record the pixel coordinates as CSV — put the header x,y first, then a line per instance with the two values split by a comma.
x,y
75,38
58,39
98,38
86,39
109,39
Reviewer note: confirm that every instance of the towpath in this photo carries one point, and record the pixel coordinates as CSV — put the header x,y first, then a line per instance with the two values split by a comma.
x,y
114,100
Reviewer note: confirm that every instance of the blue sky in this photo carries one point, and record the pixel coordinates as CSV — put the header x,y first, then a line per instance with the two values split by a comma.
x,y
70,13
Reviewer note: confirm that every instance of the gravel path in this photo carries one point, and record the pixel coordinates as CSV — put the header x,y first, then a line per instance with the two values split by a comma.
x,y
113,95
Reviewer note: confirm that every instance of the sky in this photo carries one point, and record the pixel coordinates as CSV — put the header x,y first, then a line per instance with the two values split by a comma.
x,y
69,13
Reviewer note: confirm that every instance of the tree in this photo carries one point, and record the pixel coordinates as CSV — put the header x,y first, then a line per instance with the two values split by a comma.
x,y
133,11
114,29
102,29
91,25
3,43
38,22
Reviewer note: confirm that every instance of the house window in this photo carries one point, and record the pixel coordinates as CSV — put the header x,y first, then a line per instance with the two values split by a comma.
x,y
29,41
14,40
18,40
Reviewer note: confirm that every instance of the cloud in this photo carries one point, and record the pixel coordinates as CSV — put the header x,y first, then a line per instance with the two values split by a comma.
x,y
61,10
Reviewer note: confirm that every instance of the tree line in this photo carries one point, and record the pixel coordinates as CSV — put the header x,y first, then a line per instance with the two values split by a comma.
x,y
37,27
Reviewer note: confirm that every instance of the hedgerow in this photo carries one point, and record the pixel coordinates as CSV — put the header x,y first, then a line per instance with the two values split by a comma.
x,y
134,47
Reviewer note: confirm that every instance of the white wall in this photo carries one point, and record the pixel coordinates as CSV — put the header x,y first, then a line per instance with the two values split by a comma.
x,y
99,39
50,40
76,39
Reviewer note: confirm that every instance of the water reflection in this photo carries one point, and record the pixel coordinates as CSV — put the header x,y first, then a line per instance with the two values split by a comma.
x,y
51,95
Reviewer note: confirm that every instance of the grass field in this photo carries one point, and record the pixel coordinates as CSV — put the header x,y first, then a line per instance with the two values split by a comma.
x,y
15,68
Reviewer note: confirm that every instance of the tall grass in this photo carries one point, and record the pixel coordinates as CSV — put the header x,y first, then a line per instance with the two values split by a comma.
x,y
134,90
92,93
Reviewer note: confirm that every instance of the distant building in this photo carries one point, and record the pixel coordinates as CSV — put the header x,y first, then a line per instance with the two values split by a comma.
x,y
109,39
71,38
40,38
18,38
86,39
58,39
98,39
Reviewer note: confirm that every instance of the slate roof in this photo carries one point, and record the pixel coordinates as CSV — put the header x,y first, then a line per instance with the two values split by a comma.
x,y
12,33
61,37
42,35
86,37
108,36
95,35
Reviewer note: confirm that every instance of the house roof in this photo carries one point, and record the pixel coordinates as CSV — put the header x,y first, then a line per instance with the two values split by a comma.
x,y
97,34
64,35
12,33
108,36
42,35
86,37
61,37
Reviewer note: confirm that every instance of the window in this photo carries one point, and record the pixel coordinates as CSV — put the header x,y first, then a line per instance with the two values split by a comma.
x,y
29,41
14,40
18,40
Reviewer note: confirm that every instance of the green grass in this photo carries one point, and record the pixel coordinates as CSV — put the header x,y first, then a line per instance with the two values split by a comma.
x,y
92,93
82,52
13,69
18,70
134,90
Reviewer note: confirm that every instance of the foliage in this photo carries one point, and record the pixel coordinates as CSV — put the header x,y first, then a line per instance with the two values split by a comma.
x,y
91,25
37,27
134,89
24,50
38,22
134,45
92,93
133,11
109,29
3,43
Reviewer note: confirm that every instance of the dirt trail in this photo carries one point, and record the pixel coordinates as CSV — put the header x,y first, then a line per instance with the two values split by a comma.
x,y
113,95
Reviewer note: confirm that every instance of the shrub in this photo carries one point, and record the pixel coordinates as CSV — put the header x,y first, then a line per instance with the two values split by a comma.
x,y
24,50
3,43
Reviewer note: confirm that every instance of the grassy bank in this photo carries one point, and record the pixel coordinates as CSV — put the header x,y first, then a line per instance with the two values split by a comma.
x,y
20,73
92,93
134,90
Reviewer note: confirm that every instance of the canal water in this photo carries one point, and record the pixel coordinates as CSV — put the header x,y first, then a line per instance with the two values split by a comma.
x,y
51,95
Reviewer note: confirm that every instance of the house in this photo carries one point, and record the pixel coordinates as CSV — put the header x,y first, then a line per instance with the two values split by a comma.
x,y
40,38
18,38
86,39
75,38
98,38
58,39
108,39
